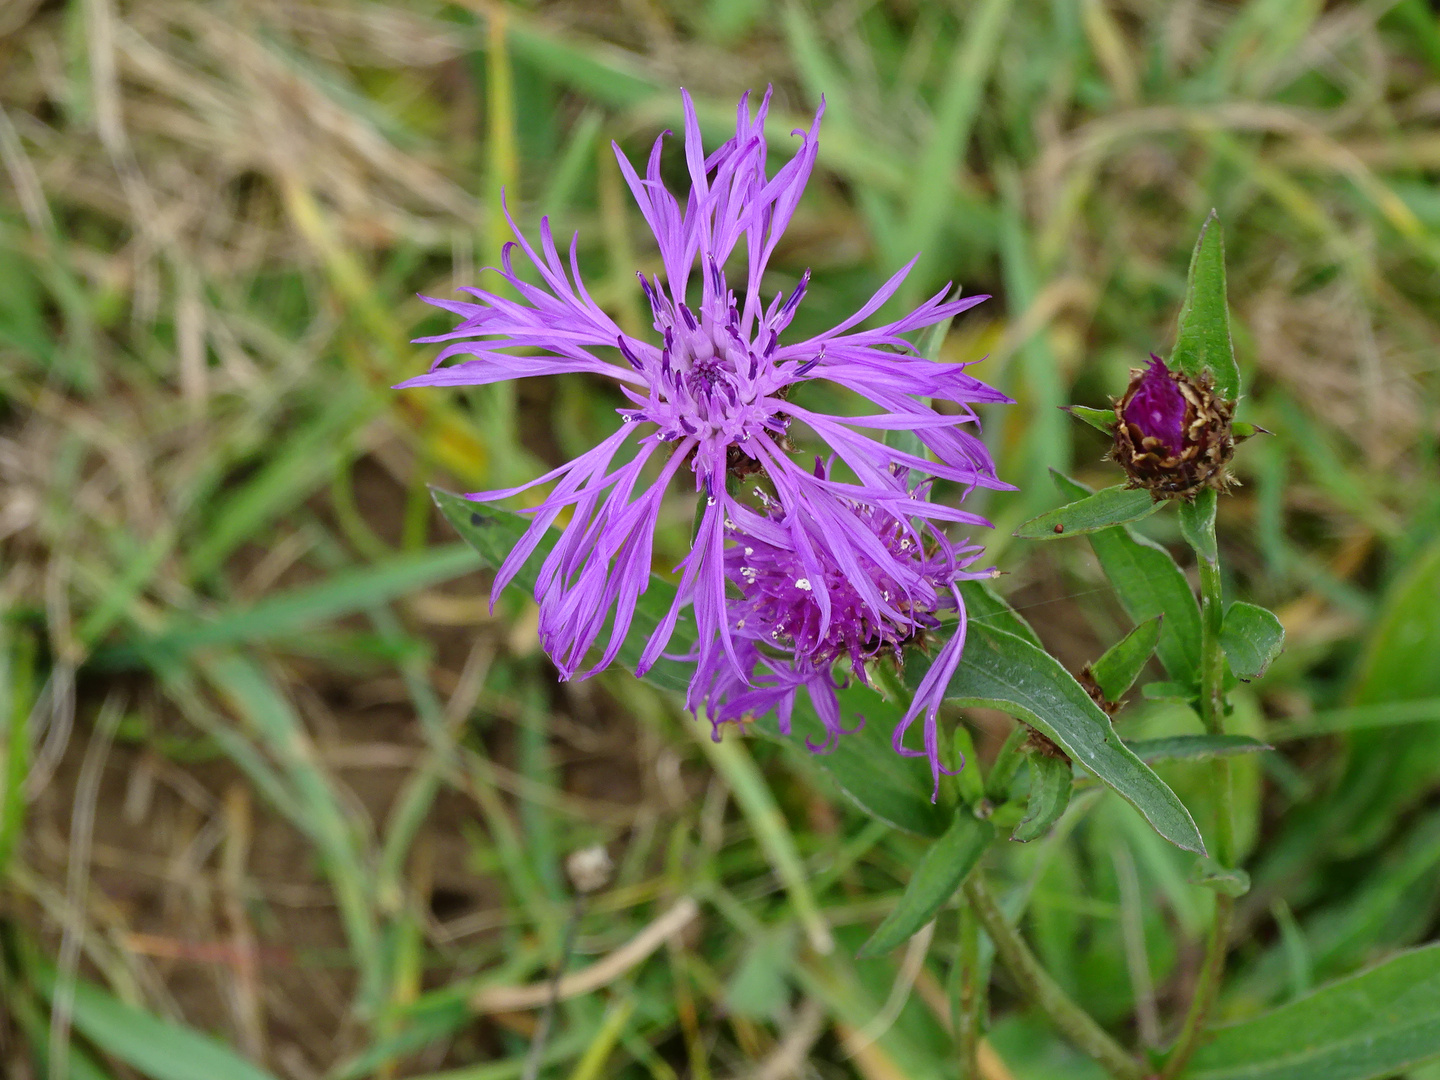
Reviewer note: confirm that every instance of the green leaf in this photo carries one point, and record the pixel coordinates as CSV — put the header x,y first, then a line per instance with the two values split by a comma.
x,y
1117,670
152,1046
1110,506
1202,339
1252,637
1050,781
1099,419
1195,747
1378,1023
888,787
984,605
1229,881
1242,430
939,873
1001,671
285,613
1197,525
1149,583
1167,691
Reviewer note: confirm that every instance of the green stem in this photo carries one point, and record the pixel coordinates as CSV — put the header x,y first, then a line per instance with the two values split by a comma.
x,y
997,784
969,995
1212,712
1043,991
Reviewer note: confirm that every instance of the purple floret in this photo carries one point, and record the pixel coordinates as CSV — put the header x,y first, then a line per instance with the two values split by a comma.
x,y
1157,408
708,393
902,571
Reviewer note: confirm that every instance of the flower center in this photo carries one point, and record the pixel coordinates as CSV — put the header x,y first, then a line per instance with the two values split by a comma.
x,y
710,382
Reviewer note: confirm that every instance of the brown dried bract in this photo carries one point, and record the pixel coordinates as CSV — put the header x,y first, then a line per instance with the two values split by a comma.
x,y
1037,742
1086,678
1209,443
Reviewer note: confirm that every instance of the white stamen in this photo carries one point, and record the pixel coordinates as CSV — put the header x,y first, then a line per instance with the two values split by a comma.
x,y
802,583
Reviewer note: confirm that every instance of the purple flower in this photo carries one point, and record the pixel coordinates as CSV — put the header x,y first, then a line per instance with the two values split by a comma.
x,y
885,598
708,393
1173,435
1157,407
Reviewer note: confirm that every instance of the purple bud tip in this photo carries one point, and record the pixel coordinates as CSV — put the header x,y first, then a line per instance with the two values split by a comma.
x,y
1157,407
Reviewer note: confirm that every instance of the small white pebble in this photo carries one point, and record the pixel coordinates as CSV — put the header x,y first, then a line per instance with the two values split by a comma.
x,y
589,868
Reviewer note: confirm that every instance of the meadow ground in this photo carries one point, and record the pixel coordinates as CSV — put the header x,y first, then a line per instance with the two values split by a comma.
x,y
289,782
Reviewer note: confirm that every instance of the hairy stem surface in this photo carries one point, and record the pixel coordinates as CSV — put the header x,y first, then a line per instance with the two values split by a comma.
x,y
969,995
1212,712
1043,991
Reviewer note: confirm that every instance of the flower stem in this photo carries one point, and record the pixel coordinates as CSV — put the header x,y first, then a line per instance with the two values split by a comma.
x,y
1043,991
1212,712
968,995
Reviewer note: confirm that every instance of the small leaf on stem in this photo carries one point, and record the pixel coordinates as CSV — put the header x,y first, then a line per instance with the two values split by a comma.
x,y
1202,339
1110,506
1117,670
1050,782
1099,419
1194,747
1252,637
1230,881
938,874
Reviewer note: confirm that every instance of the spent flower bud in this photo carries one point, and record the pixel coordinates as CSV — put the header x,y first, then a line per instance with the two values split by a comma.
x,y
1172,434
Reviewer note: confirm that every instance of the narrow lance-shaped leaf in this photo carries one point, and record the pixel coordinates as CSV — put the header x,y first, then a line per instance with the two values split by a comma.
x,y
1117,670
1252,637
938,874
1050,782
1194,747
1149,583
1001,671
1099,419
152,1046
1116,505
1379,1023
1202,339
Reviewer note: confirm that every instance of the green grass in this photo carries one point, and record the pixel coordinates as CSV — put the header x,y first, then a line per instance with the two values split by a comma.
x,y
341,792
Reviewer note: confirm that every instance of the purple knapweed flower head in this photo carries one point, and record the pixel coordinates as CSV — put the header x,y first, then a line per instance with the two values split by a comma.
x,y
707,393
1173,436
901,574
